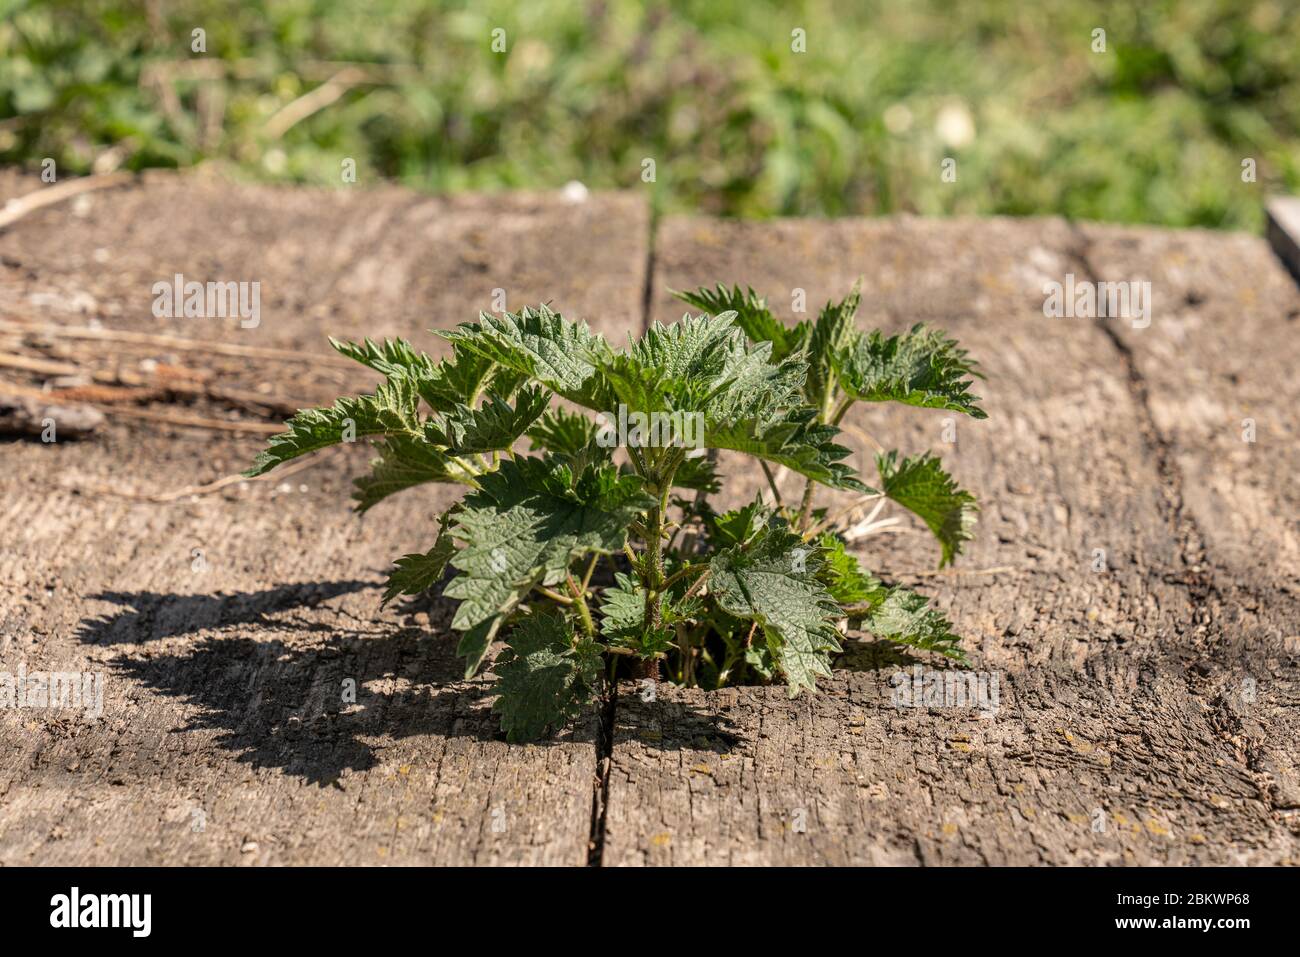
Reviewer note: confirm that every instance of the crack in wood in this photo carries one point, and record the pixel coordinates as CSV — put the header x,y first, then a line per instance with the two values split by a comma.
x,y
609,701
1191,542
600,784
1206,596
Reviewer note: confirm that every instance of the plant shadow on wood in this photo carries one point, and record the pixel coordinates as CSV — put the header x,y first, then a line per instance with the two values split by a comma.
x,y
153,616
675,726
669,725
271,675
297,689
880,655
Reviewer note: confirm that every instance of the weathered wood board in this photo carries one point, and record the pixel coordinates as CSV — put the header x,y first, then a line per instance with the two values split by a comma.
x,y
1147,699
1133,727
1283,230
1218,373
227,623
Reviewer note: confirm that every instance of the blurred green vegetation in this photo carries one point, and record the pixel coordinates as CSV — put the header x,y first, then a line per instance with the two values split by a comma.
x,y
1153,130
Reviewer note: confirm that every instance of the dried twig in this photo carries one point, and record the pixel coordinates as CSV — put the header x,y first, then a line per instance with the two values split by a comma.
x,y
946,572
304,106
16,209
863,435
832,519
228,480
177,342
126,387
39,366
193,421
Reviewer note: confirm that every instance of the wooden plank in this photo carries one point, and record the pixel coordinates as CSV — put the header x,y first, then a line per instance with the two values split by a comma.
x,y
1284,230
1217,367
370,262
1121,764
1108,712
224,679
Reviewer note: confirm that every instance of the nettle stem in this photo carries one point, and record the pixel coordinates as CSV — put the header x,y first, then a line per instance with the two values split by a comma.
x,y
832,418
659,472
838,417
805,506
681,573
580,602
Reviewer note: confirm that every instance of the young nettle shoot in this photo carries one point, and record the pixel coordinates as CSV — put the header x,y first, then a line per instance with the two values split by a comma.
x,y
598,550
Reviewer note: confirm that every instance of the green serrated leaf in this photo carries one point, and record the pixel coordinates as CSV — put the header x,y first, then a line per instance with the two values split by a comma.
x,y
545,676
704,365
832,332
391,358
463,377
523,528
391,411
476,641
493,426
797,441
922,487
759,658
405,462
418,572
699,474
563,433
922,367
543,345
739,525
903,616
843,576
457,380
774,581
752,316
623,618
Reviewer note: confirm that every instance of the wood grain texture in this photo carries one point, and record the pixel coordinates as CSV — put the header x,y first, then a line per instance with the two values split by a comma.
x,y
346,262
1147,713
225,738
1217,370
1123,704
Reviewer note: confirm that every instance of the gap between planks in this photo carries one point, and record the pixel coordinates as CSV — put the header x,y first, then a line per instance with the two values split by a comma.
x,y
609,701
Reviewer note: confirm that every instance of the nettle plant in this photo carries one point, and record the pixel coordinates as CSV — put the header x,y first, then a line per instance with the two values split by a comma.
x,y
598,553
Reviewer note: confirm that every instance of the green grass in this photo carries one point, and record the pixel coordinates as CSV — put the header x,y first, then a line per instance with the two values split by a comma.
x,y
1153,130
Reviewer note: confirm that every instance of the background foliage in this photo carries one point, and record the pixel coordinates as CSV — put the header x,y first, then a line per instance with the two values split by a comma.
x,y
1153,130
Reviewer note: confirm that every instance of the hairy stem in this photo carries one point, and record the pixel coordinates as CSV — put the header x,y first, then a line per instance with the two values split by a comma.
x,y
655,533
681,573
555,596
663,467
771,483
591,568
844,407
584,612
